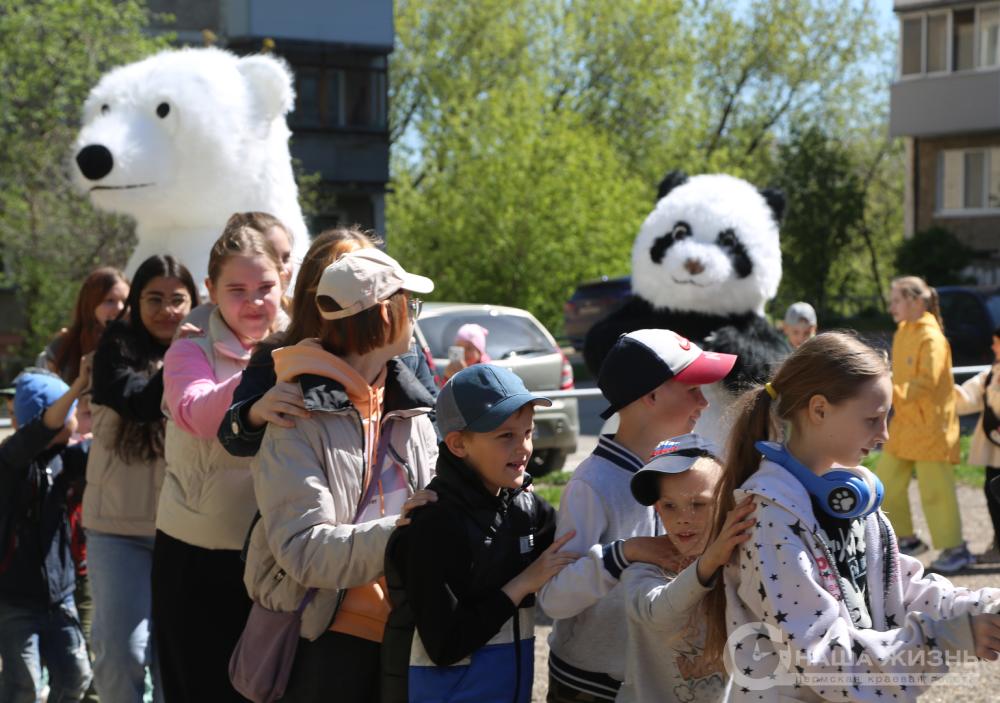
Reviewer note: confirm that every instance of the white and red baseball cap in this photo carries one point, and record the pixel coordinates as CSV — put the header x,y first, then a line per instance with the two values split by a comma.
x,y
642,360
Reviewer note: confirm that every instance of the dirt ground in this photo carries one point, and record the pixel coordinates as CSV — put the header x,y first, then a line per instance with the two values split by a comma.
x,y
978,531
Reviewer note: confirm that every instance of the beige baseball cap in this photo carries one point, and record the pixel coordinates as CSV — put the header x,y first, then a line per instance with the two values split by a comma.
x,y
363,278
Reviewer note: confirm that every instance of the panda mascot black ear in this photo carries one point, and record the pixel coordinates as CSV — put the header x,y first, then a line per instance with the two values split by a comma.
x,y
775,200
669,182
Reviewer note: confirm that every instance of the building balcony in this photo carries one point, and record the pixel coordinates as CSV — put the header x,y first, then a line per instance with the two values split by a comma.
x,y
947,104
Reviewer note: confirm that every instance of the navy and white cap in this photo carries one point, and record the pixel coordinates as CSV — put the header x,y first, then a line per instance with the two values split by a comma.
x,y
672,456
480,398
641,361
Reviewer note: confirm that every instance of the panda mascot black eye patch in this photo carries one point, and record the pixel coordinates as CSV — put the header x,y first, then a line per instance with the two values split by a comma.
x,y
713,289
737,252
680,231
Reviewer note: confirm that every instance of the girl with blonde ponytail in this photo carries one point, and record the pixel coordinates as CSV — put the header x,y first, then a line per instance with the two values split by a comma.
x,y
924,436
821,583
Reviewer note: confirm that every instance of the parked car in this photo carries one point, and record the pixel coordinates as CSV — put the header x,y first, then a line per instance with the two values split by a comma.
x,y
590,302
970,315
518,341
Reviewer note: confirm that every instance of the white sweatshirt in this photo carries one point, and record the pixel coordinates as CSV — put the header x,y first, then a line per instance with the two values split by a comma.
x,y
783,598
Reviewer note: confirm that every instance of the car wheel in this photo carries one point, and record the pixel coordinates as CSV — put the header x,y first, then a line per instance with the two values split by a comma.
x,y
547,461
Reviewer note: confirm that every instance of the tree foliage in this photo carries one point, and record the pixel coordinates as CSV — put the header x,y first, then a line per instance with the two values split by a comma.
x,y
936,255
51,53
531,135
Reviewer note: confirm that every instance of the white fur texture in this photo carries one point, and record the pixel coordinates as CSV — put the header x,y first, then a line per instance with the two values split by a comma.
x,y
709,204
221,148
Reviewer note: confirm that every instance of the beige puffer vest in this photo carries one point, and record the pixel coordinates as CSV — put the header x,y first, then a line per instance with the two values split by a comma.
x,y
207,498
121,495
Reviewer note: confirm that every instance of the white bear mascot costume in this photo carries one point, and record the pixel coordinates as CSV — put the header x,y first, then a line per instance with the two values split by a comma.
x,y
183,139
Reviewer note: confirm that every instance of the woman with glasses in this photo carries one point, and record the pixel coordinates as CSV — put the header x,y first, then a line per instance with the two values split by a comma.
x,y
125,472
331,487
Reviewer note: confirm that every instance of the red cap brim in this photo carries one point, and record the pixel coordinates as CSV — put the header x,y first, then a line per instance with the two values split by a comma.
x,y
707,368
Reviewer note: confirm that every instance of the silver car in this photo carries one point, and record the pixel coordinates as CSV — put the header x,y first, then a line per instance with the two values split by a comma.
x,y
518,341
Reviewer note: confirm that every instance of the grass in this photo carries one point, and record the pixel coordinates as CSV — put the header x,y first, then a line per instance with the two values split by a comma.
x,y
551,487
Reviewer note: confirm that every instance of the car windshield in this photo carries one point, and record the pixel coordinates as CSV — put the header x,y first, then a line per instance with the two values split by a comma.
x,y
509,335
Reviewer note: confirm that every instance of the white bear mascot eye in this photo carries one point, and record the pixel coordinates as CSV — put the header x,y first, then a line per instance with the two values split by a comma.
x,y
183,139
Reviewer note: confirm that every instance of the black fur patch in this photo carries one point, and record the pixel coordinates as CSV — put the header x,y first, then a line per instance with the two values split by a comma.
x,y
758,345
681,230
732,245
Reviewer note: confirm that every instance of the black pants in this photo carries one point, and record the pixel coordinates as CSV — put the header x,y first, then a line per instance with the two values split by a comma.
x,y
336,667
199,609
993,504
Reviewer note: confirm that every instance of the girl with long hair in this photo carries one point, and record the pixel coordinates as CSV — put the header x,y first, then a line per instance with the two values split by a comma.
x,y
125,472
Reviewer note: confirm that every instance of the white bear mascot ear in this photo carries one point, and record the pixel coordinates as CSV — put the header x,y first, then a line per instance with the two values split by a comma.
x,y
269,83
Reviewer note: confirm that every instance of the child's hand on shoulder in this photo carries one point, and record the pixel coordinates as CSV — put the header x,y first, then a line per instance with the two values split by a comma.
x,y
658,551
986,635
82,380
419,498
279,406
735,532
548,564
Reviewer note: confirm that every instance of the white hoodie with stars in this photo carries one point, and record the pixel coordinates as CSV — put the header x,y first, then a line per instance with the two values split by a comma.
x,y
786,612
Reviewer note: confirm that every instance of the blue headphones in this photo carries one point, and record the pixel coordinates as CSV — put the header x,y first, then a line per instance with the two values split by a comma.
x,y
842,493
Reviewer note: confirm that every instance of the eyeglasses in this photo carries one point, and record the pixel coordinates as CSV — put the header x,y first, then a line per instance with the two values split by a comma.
x,y
415,305
155,303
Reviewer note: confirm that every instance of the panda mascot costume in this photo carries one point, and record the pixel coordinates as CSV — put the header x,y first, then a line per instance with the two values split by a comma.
x,y
705,262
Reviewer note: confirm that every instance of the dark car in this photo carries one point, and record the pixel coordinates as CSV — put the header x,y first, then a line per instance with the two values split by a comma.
x,y
590,302
970,315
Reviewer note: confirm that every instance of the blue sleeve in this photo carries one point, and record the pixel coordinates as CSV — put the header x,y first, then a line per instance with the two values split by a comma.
x,y
235,433
19,451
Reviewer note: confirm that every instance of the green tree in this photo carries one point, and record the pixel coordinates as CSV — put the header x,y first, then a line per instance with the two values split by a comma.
x,y
825,206
51,53
650,85
936,255
528,205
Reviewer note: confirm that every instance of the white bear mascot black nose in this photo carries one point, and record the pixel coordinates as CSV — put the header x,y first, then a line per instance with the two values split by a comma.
x,y
705,262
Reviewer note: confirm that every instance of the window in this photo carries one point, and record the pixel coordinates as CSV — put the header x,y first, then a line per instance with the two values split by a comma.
x,y
963,39
989,36
968,179
937,43
338,98
913,49
975,179
510,335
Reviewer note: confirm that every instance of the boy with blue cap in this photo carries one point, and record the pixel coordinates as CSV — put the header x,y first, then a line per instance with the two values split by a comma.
x,y
38,618
462,574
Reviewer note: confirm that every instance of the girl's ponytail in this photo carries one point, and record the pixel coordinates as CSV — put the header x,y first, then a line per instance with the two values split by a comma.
x,y
753,423
934,306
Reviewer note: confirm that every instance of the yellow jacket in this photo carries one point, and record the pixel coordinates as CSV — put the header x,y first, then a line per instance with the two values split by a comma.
x,y
925,424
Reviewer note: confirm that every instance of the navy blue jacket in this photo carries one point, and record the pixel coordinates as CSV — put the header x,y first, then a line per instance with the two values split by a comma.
x,y
36,566
453,634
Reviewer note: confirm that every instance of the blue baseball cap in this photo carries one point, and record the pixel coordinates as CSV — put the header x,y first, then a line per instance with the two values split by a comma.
x,y
34,391
480,398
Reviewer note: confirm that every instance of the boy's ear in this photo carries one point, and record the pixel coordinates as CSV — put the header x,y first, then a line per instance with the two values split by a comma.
x,y
455,441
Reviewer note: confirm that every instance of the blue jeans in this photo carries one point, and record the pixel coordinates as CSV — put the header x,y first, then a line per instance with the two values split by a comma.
x,y
121,634
29,636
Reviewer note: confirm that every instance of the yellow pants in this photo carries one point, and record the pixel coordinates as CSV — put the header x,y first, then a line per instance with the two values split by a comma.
x,y
936,480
